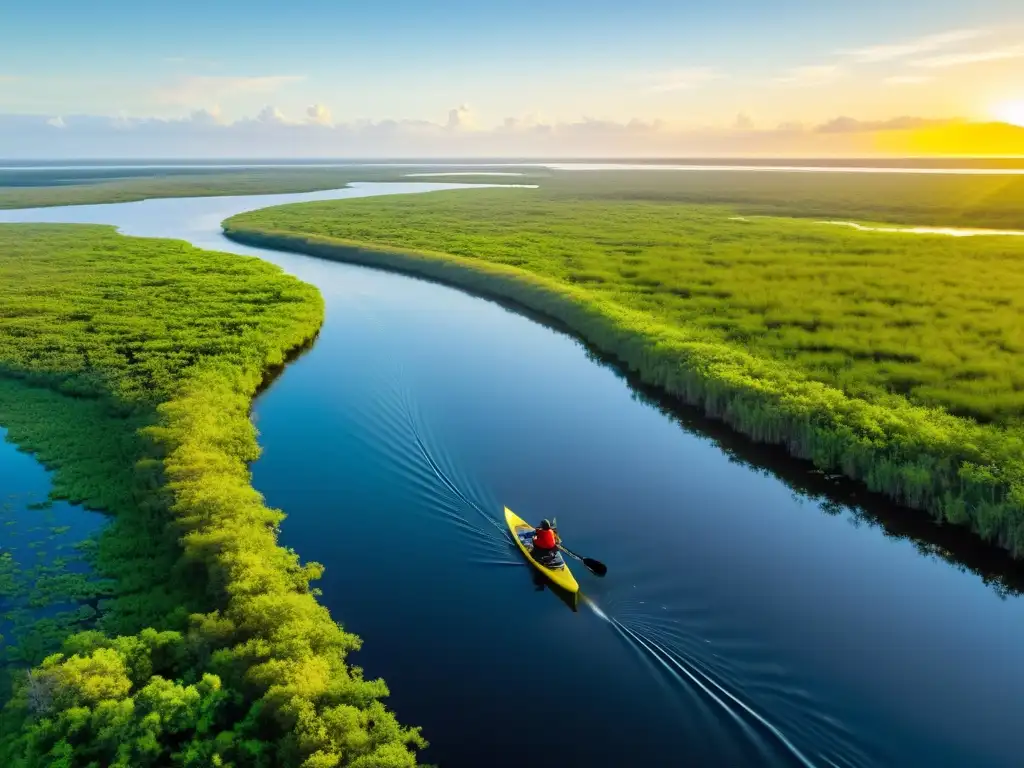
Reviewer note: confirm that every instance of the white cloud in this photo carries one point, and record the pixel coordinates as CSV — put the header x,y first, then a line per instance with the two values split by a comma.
x,y
209,116
807,77
56,122
976,57
204,89
271,115
879,53
272,134
461,118
319,114
852,125
681,79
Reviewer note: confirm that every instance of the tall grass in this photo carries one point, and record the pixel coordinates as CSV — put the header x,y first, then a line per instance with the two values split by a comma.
x,y
895,359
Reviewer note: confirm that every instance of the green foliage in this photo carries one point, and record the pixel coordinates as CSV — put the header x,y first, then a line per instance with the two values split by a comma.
x,y
863,352
25,190
992,201
22,188
128,366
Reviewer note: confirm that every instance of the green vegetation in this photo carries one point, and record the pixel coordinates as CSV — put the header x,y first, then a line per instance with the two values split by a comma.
x,y
986,201
894,359
89,191
24,188
128,366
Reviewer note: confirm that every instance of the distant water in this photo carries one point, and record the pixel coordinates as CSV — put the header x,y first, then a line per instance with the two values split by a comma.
x,y
467,173
947,231
950,231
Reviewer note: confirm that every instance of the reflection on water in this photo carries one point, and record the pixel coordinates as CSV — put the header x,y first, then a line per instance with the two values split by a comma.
x,y
950,231
467,173
571,599
42,544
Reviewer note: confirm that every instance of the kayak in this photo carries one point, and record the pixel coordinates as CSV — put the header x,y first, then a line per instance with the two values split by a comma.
x,y
554,568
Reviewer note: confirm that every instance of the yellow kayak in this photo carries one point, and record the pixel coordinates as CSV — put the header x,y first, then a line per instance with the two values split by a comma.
x,y
555,569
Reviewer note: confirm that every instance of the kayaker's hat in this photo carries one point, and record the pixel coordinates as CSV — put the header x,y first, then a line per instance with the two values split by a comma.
x,y
545,525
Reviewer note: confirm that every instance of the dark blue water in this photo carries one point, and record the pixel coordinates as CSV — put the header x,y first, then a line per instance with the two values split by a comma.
x,y
741,622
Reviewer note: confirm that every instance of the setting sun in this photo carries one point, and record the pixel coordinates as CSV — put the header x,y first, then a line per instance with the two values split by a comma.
x,y
1010,112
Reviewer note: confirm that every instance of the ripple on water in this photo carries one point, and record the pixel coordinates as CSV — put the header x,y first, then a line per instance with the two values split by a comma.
x,y
728,685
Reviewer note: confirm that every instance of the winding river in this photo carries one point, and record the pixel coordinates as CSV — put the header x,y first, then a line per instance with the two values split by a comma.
x,y
754,614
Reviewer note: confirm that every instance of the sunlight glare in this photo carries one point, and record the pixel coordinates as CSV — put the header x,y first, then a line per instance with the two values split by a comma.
x,y
1010,112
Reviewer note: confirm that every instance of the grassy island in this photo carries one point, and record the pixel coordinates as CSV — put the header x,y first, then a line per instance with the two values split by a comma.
x,y
128,366
32,188
896,359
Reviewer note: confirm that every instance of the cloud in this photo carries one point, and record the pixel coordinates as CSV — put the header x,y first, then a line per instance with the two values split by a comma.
x,y
209,116
681,79
203,89
907,80
743,123
879,53
852,125
810,76
272,134
271,116
319,114
461,118
56,122
977,57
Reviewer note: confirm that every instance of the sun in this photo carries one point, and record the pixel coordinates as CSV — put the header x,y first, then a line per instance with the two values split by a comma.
x,y
1010,112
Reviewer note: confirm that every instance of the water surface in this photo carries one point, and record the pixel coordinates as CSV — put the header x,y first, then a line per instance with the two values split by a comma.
x,y
743,621
39,539
948,231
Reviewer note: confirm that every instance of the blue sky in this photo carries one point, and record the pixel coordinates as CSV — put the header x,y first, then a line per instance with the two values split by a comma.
x,y
698,64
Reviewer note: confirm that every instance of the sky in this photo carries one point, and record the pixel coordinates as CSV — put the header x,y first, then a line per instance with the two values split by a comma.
x,y
453,76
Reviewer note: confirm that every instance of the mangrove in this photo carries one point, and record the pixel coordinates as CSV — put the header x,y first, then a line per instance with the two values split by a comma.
x,y
128,366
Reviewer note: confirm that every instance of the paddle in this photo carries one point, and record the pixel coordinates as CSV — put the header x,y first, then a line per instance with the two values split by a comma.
x,y
596,567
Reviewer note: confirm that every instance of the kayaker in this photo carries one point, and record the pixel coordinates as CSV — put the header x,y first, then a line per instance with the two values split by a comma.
x,y
545,540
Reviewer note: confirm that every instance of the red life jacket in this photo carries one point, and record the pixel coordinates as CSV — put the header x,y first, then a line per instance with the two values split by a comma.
x,y
544,539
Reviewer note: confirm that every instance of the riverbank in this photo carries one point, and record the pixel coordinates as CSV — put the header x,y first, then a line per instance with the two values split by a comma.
x,y
128,366
865,406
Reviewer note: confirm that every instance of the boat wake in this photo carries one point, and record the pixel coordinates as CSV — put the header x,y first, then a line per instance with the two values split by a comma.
x,y
723,687
399,432
730,692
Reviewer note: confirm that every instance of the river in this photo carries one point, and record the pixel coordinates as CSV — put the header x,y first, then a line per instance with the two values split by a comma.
x,y
753,614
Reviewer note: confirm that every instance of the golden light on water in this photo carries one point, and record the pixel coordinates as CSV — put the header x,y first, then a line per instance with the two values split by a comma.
x,y
1010,112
